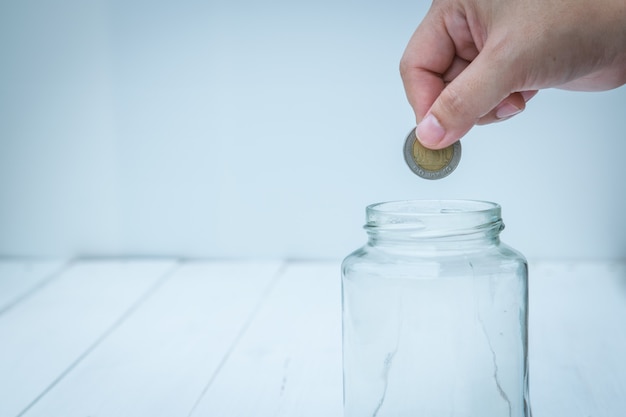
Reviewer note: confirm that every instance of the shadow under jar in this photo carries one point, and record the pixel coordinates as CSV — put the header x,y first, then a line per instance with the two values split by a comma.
x,y
435,312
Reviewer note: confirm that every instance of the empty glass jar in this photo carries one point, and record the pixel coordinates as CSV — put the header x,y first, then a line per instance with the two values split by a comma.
x,y
435,314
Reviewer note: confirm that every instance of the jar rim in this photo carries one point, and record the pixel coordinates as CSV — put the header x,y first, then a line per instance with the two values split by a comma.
x,y
434,216
432,207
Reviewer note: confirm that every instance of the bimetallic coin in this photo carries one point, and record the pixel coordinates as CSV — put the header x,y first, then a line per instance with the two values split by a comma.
x,y
428,163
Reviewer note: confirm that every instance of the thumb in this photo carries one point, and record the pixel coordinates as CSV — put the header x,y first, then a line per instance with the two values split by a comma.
x,y
474,93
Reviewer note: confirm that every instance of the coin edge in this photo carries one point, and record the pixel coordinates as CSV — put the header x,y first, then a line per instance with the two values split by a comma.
x,y
424,173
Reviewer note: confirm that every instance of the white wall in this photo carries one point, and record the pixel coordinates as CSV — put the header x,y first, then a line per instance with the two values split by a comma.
x,y
262,129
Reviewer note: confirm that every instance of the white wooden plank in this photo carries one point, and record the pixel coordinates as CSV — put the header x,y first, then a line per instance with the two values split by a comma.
x,y
18,278
289,361
158,362
578,339
44,336
286,361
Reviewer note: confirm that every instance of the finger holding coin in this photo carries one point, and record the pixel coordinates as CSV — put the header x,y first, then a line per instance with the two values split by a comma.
x,y
429,163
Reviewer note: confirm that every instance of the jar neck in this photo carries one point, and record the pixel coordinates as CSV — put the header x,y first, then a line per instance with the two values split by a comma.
x,y
436,224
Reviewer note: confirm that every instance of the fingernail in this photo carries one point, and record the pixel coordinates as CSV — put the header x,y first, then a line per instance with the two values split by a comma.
x,y
429,131
507,110
529,94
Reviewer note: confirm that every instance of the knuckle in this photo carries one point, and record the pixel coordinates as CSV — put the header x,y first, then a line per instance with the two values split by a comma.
x,y
404,67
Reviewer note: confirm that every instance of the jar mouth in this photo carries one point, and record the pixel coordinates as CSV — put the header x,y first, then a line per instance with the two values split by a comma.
x,y
434,216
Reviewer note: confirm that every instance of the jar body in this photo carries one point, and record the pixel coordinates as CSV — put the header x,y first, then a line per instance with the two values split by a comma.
x,y
435,326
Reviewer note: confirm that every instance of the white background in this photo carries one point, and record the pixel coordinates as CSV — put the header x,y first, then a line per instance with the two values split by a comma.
x,y
245,129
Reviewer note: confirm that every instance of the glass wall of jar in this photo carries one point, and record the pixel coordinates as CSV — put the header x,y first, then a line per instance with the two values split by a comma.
x,y
435,314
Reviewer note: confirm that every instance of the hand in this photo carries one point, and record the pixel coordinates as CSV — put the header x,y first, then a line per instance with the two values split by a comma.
x,y
479,61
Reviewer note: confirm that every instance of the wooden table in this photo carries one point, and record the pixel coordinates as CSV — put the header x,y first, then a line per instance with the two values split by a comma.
x,y
163,337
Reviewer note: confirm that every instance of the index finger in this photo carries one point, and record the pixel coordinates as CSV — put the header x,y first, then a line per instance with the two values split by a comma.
x,y
427,57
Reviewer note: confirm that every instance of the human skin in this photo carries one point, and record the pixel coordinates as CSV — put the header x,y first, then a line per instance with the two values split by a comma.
x,y
479,61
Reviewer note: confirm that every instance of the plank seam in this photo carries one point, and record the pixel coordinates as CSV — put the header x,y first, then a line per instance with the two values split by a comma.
x,y
50,277
116,324
266,293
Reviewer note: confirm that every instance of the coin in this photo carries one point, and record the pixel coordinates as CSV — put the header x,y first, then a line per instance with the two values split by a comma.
x,y
428,163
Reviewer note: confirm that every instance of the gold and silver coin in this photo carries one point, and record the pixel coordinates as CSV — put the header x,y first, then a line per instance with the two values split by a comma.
x,y
428,163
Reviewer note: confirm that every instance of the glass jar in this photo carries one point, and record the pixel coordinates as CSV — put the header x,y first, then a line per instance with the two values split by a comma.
x,y
435,314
